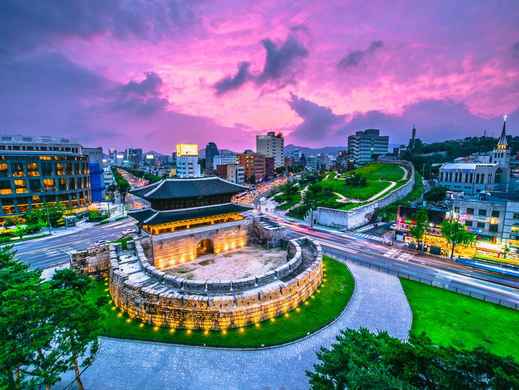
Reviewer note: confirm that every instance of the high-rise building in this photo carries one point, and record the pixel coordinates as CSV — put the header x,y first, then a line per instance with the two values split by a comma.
x,y
211,150
134,157
187,161
96,169
364,145
253,165
37,170
272,145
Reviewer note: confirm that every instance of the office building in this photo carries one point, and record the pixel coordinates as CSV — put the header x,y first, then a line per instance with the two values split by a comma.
x,y
187,161
224,158
269,167
95,167
253,165
37,170
134,157
272,145
231,172
211,151
364,146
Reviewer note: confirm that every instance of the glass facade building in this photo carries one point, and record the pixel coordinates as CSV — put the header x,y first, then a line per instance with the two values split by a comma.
x,y
36,170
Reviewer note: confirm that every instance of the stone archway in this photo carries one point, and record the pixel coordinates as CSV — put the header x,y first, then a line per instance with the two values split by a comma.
x,y
204,247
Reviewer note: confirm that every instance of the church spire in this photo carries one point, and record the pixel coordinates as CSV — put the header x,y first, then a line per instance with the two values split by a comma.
x,y
503,143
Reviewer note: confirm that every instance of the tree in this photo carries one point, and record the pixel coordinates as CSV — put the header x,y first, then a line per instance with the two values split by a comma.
x,y
356,180
26,326
456,234
436,194
420,228
20,231
122,184
80,320
46,328
363,360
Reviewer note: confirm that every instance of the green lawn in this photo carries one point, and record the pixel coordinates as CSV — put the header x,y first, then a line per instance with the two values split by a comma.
x,y
321,309
378,178
454,319
287,200
378,171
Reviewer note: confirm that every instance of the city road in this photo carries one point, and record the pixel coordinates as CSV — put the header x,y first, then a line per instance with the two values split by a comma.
x,y
52,251
441,272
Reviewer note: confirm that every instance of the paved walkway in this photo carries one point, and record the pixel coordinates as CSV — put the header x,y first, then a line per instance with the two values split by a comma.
x,y
378,303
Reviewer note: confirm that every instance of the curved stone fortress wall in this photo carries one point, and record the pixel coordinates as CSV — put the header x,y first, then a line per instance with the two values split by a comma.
x,y
148,294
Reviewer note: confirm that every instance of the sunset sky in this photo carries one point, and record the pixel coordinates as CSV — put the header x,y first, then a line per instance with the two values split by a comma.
x,y
154,73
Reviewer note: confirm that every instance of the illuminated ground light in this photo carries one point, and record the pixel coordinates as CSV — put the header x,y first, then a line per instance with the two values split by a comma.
x,y
306,303
298,309
113,308
257,324
189,331
128,320
156,328
287,315
272,320
119,315
172,330
224,332
206,332
141,325
242,330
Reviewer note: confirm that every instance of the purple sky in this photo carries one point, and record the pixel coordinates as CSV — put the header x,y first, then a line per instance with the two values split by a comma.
x,y
153,73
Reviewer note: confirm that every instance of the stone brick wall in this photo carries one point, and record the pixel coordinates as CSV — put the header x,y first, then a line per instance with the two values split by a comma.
x,y
150,295
95,260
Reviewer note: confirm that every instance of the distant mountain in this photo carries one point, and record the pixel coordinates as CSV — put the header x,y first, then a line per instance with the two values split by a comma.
x,y
333,150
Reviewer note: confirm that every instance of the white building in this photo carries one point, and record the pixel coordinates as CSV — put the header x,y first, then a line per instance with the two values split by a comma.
x,y
272,145
364,145
493,217
485,173
236,173
187,161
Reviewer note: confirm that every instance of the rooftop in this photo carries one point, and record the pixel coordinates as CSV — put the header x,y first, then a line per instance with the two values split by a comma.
x,y
188,188
467,166
22,139
152,217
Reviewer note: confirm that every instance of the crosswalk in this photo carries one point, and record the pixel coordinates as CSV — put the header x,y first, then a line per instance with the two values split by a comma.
x,y
398,254
369,237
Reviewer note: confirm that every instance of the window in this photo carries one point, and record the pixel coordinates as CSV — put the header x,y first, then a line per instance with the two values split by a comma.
x,y
470,211
493,228
468,223
482,212
48,183
456,209
495,213
481,225
516,216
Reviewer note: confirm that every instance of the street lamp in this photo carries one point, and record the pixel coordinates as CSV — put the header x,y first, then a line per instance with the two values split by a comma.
x,y
48,218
